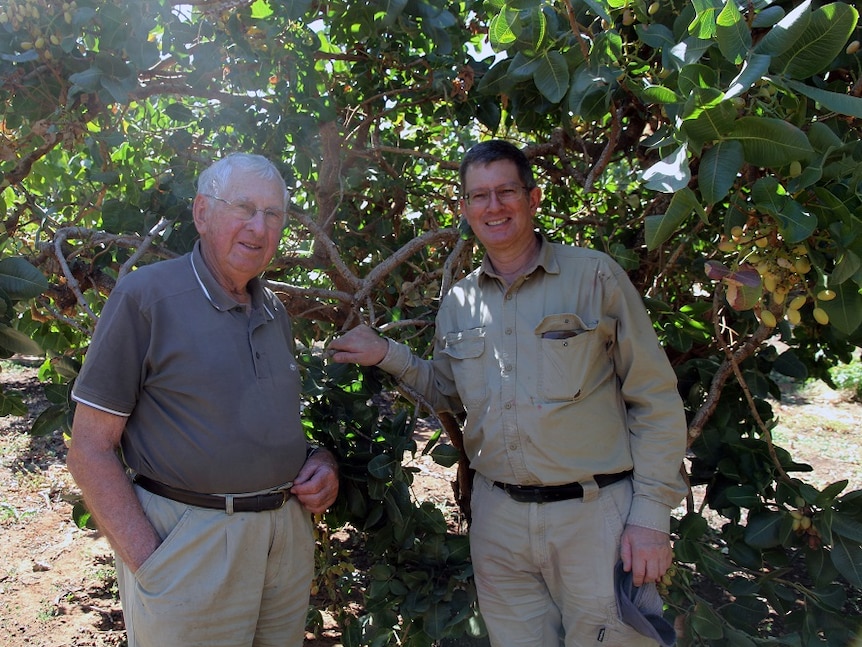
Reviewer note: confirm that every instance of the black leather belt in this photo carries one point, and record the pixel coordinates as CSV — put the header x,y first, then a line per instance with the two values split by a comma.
x,y
230,503
551,493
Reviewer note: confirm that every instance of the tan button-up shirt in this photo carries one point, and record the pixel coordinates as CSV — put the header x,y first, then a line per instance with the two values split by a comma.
x,y
561,377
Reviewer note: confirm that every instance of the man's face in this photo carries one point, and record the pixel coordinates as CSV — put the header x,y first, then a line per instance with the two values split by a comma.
x,y
504,227
236,249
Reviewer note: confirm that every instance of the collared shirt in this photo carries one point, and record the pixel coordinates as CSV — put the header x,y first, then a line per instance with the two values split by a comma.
x,y
561,377
210,389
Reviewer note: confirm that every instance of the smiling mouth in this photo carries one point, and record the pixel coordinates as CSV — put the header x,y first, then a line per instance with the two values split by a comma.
x,y
495,223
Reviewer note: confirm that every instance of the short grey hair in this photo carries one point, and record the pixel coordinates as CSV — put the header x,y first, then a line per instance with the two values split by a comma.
x,y
216,177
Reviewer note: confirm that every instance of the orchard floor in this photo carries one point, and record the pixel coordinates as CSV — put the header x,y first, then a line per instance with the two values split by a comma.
x,y
57,586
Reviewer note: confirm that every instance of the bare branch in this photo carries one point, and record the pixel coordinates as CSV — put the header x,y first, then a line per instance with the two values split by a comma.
x,y
146,243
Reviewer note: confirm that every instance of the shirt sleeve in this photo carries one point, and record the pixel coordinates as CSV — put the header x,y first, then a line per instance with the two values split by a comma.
x,y
655,413
431,379
113,369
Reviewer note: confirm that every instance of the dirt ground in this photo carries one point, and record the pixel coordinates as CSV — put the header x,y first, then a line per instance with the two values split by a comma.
x,y
57,586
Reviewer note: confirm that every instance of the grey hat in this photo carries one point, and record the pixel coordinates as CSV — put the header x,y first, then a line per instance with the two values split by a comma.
x,y
641,608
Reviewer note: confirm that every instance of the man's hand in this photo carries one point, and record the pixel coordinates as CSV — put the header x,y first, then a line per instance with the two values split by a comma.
x,y
360,345
646,553
316,485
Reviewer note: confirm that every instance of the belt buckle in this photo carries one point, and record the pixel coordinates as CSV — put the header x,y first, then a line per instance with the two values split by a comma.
x,y
285,495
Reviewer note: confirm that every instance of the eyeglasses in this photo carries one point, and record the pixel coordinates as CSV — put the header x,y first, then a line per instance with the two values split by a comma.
x,y
505,194
245,211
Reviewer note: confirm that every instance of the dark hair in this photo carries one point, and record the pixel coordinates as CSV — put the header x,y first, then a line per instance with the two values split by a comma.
x,y
495,150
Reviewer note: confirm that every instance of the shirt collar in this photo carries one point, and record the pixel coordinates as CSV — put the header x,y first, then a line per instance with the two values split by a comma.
x,y
216,294
546,259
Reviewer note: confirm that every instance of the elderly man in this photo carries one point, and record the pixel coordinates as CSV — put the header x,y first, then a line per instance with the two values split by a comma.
x,y
187,442
574,424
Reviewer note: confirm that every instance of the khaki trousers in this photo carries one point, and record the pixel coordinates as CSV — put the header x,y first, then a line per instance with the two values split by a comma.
x,y
219,580
545,571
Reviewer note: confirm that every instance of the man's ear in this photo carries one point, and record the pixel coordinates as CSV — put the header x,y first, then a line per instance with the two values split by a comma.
x,y
200,212
535,198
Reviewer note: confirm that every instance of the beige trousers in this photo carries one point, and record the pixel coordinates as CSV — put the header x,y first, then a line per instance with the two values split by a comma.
x,y
545,571
219,580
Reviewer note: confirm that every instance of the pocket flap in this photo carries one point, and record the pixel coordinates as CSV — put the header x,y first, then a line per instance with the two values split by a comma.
x,y
563,322
465,344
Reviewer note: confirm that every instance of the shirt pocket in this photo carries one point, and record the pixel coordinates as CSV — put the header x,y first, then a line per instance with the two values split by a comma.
x,y
574,356
466,352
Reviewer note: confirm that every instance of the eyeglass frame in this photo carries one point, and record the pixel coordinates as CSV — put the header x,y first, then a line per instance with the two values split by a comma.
x,y
241,207
470,198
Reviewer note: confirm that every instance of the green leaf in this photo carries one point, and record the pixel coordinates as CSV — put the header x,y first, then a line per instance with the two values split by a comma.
x,y
823,39
552,76
179,112
260,9
732,33
500,30
795,222
752,71
841,103
846,266
845,310
709,124
445,455
767,17
704,24
17,342
770,142
719,166
82,517
50,420
706,622
599,10
788,363
784,34
382,467
659,228
87,80
20,280
847,557
658,94
763,529
669,175
12,404
847,527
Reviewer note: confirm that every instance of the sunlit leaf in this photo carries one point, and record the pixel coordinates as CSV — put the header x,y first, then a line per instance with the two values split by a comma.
x,y
671,174
822,40
732,33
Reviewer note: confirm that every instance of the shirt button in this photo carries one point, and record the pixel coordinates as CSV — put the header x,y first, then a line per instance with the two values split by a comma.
x,y
513,447
508,331
257,355
508,405
507,368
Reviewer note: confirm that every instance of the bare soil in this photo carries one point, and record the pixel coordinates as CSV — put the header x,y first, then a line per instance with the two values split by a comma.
x,y
57,584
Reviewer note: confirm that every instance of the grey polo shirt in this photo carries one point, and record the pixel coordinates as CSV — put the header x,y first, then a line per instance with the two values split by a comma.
x,y
211,392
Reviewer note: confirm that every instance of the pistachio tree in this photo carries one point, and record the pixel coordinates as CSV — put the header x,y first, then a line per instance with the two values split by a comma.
x,y
712,148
